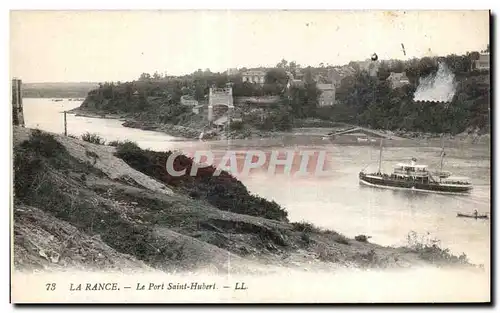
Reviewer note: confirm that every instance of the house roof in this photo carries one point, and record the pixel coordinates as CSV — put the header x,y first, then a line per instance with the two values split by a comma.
x,y
338,73
334,74
296,82
253,73
398,76
485,56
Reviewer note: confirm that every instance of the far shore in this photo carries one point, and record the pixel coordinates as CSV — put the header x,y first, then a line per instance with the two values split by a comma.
x,y
188,133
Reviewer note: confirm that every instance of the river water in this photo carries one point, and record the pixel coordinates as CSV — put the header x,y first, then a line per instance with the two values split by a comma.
x,y
335,200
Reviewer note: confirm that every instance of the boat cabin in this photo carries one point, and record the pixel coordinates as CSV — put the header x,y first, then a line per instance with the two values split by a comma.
x,y
411,171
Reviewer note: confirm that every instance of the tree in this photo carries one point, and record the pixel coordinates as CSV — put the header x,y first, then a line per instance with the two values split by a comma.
x,y
144,77
282,64
473,56
383,71
275,81
292,67
303,100
156,76
397,66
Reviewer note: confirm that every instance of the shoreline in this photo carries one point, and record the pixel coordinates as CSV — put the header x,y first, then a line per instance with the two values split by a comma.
x,y
178,131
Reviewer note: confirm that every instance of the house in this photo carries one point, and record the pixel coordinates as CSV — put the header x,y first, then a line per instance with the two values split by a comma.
x,y
299,75
220,122
197,109
327,97
337,74
254,77
483,63
398,79
295,83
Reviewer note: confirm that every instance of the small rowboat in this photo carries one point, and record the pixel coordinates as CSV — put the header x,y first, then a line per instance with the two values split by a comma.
x,y
484,216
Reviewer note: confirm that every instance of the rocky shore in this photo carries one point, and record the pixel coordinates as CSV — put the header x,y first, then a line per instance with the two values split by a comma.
x,y
472,136
118,217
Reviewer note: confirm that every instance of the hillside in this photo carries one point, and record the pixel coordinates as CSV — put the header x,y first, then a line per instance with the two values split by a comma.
x,y
440,95
78,205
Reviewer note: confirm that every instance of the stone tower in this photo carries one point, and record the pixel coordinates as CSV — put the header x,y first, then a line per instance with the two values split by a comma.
x,y
17,103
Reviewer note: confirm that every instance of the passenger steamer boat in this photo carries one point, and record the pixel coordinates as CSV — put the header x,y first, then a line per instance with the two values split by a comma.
x,y
417,177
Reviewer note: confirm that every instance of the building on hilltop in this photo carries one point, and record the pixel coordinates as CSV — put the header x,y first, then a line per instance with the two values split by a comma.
x,y
398,79
335,76
327,97
483,63
295,83
254,77
188,101
299,75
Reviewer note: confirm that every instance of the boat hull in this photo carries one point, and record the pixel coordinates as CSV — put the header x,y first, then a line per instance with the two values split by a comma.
x,y
381,181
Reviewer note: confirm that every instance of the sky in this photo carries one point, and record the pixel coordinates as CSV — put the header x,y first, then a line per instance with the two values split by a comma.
x,y
97,46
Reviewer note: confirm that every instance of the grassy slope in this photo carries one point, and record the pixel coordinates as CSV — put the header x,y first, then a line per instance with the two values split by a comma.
x,y
74,187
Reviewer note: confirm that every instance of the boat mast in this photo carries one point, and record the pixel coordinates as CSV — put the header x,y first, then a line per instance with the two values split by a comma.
x,y
442,152
442,158
380,156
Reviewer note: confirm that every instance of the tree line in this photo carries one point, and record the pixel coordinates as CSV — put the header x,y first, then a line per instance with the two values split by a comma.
x,y
370,101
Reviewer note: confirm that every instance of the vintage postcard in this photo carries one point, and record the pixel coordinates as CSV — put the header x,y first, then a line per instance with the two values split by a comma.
x,y
244,156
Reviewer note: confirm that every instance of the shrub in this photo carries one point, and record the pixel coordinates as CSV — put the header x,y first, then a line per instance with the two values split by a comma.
x,y
305,237
44,144
341,239
114,143
361,238
123,147
237,125
430,249
223,191
305,227
93,138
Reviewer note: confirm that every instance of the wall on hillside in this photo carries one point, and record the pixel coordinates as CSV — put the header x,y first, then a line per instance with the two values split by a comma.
x,y
258,100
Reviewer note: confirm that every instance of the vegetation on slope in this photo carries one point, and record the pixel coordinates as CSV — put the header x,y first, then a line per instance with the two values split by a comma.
x,y
47,176
223,191
370,101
